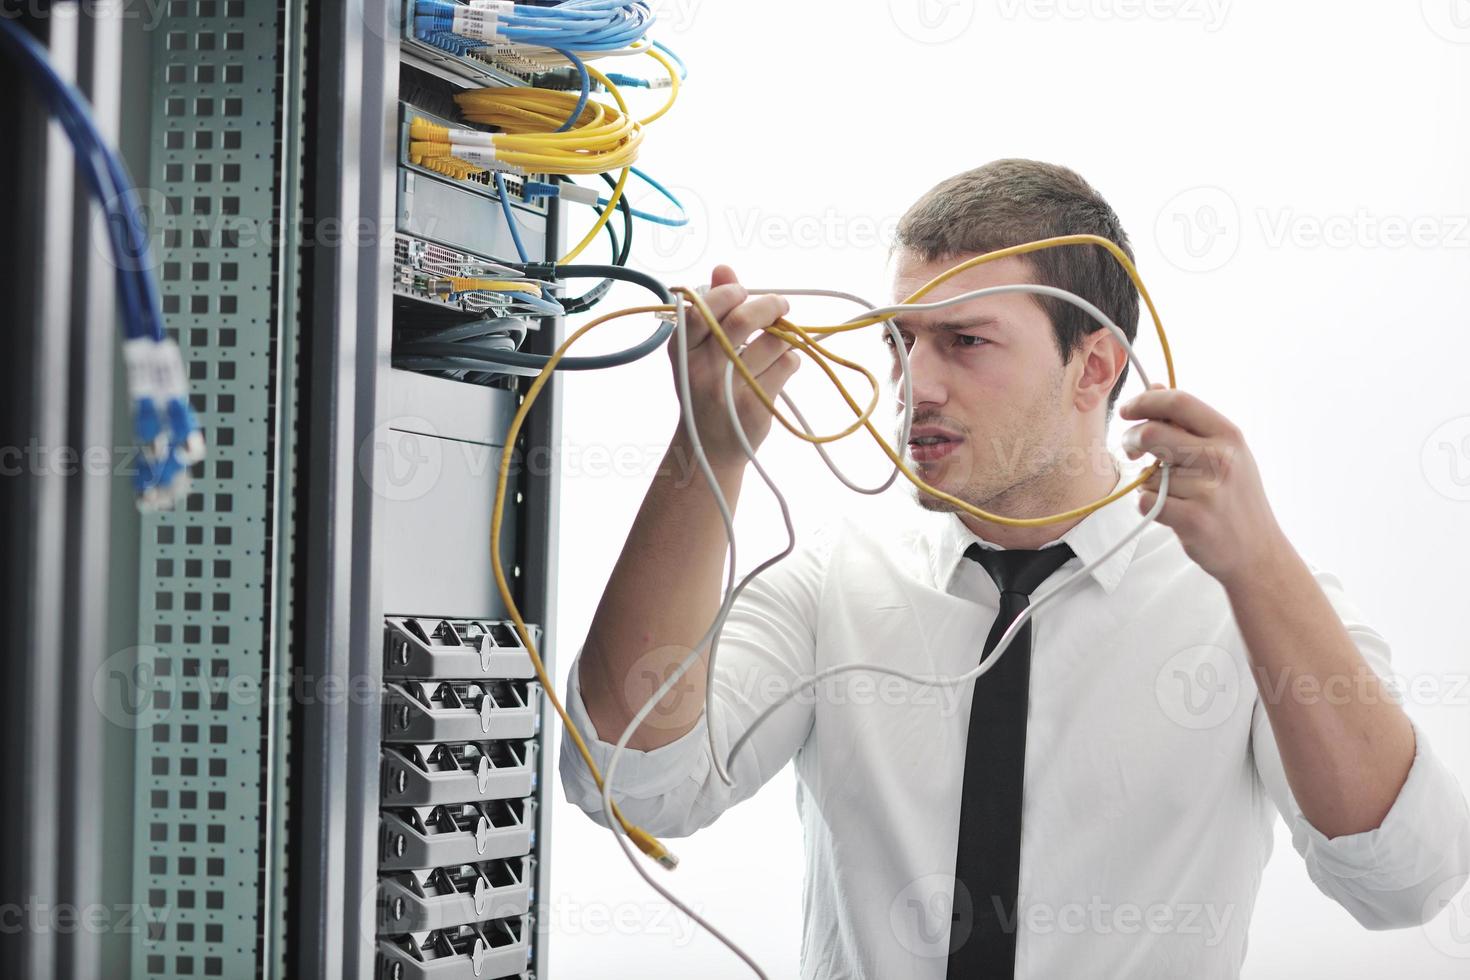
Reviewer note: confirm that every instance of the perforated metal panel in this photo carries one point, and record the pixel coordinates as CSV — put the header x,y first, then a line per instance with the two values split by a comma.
x,y
203,825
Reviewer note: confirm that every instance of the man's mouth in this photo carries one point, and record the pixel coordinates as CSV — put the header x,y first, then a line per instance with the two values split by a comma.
x,y
927,445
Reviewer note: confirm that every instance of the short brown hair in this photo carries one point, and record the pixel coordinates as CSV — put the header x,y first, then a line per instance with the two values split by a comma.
x,y
1008,202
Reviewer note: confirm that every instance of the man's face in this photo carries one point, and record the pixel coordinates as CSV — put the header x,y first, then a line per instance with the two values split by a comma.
x,y
991,396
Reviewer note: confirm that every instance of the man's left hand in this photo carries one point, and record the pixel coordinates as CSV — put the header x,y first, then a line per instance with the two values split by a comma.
x,y
1216,502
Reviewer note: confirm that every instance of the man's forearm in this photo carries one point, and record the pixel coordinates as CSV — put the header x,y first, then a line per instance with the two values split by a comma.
x,y
663,593
1346,745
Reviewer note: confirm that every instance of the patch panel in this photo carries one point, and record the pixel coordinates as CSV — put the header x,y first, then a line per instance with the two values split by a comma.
x,y
466,63
422,271
458,784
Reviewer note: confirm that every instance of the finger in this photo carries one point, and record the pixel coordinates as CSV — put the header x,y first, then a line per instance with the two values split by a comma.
x,y
774,377
1167,441
721,300
754,314
764,351
1205,469
1148,498
1183,486
1175,512
722,275
1178,407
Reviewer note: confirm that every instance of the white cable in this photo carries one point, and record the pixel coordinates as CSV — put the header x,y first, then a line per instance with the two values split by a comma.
x,y
980,670
682,371
907,380
732,590
975,673
1021,287
733,415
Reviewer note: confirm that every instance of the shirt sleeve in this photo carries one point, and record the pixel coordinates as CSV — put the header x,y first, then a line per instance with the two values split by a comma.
x,y
767,648
1387,877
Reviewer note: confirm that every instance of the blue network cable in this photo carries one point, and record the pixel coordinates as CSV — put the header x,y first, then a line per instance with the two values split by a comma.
x,y
101,177
582,25
169,448
537,189
547,307
586,80
510,218
637,81
678,222
678,61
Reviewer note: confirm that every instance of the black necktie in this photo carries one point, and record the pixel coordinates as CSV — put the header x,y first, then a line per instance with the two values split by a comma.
x,y
988,856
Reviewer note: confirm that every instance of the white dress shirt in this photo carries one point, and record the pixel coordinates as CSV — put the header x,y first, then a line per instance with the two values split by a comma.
x,y
1152,777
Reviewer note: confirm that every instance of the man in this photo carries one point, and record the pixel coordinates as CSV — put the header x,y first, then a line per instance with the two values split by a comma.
x,y
1100,803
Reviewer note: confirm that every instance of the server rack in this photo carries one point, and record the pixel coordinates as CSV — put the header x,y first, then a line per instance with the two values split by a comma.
x,y
285,725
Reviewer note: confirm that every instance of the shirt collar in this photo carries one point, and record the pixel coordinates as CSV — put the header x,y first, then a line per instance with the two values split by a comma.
x,y
1089,538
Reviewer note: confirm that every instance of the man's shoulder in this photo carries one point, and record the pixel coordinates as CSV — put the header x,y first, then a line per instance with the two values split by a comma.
x,y
889,539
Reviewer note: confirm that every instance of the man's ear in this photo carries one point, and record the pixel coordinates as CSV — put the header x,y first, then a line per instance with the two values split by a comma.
x,y
1103,361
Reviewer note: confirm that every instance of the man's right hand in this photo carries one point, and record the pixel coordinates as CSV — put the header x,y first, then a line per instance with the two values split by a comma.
x,y
769,358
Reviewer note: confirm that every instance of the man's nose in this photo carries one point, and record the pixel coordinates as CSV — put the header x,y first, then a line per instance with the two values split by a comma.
x,y
927,371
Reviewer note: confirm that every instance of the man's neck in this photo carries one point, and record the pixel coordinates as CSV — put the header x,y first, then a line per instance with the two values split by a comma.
x,y
1023,502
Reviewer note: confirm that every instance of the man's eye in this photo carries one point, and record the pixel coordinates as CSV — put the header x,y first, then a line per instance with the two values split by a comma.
x,y
969,340
908,341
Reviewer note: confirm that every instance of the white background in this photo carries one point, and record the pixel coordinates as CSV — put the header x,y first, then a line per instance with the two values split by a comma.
x,y
1296,182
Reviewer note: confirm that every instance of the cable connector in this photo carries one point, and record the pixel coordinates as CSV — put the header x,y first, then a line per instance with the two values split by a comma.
x,y
650,845
577,194
479,20
541,270
633,81
168,433
534,190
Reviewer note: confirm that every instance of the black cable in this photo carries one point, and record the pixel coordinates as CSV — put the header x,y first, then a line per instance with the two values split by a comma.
x,y
627,210
592,363
593,296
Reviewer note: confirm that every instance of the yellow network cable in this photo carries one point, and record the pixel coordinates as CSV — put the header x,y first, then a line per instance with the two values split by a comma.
x,y
800,338
466,284
617,193
658,56
641,838
888,450
601,139
896,458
